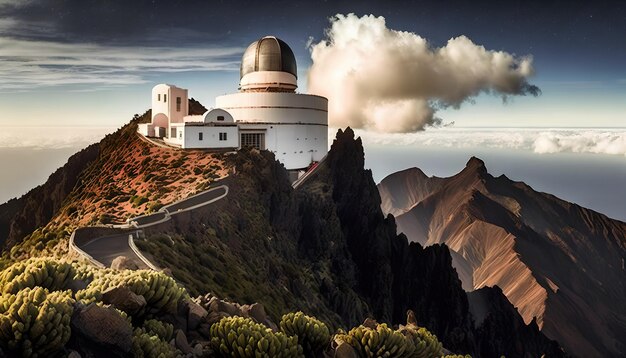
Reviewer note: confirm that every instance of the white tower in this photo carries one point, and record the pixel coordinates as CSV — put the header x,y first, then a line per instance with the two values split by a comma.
x,y
270,114
169,105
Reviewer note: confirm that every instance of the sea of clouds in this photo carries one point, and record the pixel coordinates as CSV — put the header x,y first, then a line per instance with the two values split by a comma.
x,y
542,141
538,140
51,137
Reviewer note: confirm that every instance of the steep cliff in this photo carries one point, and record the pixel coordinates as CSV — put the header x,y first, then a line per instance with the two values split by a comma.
x,y
559,264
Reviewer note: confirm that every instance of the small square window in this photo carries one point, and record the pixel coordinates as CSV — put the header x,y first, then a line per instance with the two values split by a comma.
x,y
220,118
223,136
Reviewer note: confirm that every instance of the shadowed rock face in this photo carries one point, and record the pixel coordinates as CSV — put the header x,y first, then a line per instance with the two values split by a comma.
x,y
559,264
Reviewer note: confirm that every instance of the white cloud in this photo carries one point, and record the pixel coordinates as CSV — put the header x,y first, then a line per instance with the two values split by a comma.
x,y
393,81
541,141
604,142
25,64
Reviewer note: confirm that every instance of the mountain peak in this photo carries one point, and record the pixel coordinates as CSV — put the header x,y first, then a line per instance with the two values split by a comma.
x,y
477,163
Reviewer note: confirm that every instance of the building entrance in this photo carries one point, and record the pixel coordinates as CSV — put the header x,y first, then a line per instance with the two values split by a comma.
x,y
254,140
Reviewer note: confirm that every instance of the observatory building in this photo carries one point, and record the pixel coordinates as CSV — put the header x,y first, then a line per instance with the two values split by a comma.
x,y
266,113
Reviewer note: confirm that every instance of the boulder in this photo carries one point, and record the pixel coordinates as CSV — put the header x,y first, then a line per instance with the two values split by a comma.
x,y
123,263
257,312
180,339
124,299
104,327
344,350
77,285
214,317
227,307
198,350
195,315
213,304
370,323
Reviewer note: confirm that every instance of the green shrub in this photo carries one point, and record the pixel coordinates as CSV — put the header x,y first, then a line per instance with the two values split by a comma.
x,y
313,335
148,345
43,272
161,292
380,342
242,337
425,344
35,322
164,331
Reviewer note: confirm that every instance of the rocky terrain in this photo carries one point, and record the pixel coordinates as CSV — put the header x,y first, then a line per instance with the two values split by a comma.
x,y
325,249
105,183
559,264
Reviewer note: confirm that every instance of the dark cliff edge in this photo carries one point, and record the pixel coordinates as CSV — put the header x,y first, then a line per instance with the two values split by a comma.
x,y
393,275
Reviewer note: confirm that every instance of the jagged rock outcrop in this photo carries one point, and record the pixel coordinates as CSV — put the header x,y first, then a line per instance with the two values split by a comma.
x,y
559,264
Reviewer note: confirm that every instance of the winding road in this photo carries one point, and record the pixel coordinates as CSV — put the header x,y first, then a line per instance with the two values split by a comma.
x,y
102,245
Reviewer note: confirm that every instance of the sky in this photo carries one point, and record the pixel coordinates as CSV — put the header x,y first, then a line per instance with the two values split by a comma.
x,y
93,63
543,79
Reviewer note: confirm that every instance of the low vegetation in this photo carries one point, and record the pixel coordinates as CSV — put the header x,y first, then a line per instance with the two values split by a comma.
x,y
40,295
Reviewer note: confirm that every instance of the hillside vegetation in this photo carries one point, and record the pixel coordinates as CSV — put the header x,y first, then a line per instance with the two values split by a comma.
x,y
106,183
50,307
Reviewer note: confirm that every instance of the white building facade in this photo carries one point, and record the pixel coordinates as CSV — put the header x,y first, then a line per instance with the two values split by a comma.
x,y
266,113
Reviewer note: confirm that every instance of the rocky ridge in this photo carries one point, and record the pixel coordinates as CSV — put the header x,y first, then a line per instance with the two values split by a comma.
x,y
559,264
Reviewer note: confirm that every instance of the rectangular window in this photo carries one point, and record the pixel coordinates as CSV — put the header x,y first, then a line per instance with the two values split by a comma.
x,y
178,102
159,97
220,118
164,98
223,136
200,136
173,133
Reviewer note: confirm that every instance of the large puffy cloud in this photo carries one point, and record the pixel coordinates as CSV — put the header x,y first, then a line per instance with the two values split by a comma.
x,y
393,81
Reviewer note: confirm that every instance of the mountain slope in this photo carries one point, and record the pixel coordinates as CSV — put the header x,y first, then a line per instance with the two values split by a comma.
x,y
556,262
107,182
325,248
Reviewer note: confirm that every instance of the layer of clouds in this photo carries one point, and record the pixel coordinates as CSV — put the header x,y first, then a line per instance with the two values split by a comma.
x,y
393,81
51,137
31,64
541,141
